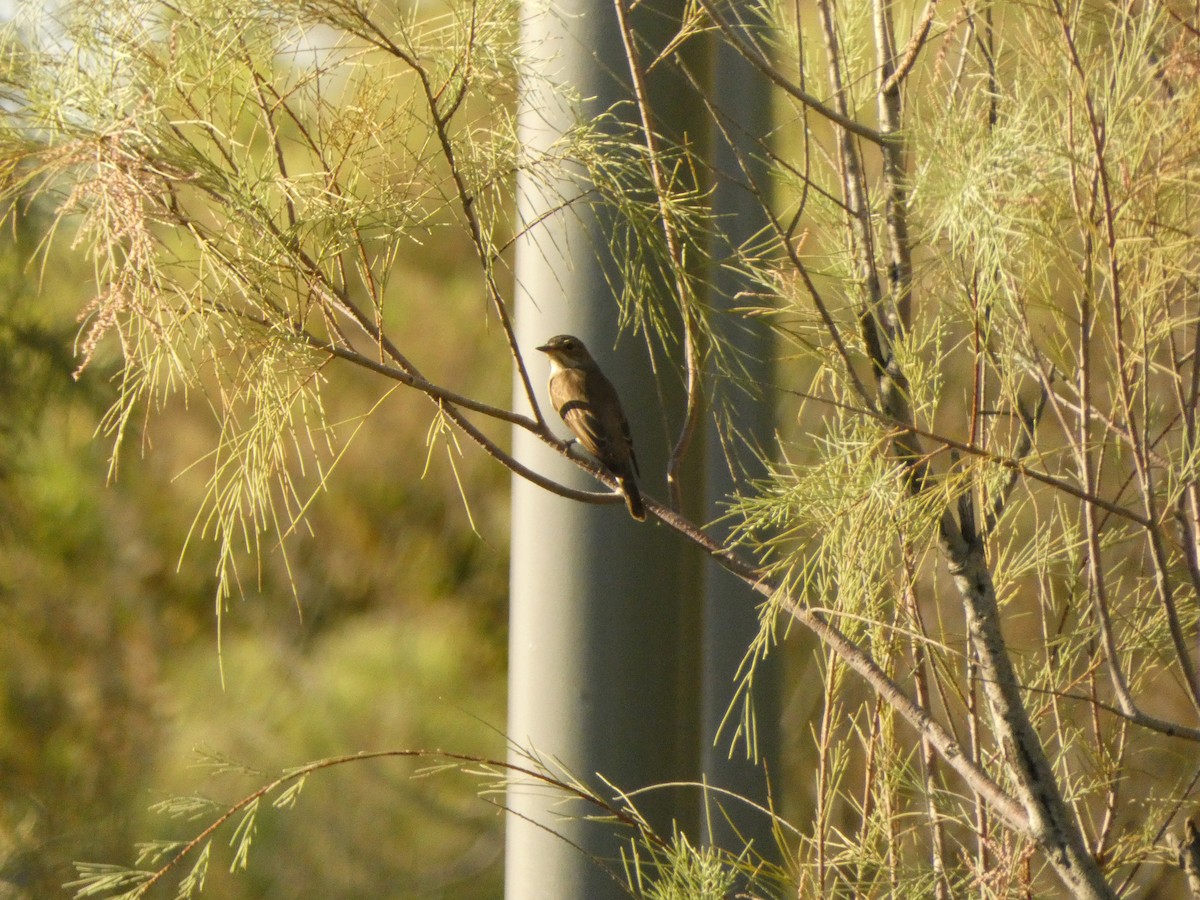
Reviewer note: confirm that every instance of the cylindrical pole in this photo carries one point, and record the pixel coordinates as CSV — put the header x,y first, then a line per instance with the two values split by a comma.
x,y
603,635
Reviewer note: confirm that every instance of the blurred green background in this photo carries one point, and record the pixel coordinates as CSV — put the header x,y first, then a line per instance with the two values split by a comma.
x,y
111,678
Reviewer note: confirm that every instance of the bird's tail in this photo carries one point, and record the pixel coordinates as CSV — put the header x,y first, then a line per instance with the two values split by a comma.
x,y
633,498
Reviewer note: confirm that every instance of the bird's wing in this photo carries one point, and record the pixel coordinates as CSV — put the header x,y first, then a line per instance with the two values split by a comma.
x,y
621,458
596,421
569,396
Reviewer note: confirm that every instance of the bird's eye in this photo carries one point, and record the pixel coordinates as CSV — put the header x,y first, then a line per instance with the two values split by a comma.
x,y
568,345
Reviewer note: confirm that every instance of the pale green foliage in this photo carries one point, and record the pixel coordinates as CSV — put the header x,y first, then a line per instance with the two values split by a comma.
x,y
193,882
99,879
684,872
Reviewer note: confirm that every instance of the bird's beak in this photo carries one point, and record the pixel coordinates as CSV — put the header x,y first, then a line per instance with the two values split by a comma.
x,y
545,348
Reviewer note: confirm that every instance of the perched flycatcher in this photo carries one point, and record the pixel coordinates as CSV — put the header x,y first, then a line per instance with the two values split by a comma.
x,y
588,403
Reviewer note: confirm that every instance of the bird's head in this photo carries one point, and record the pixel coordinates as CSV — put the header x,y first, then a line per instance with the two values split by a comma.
x,y
568,351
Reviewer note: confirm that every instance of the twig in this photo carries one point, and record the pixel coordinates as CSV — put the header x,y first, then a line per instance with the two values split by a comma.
x,y
896,198
1158,553
856,658
372,33
1006,462
1180,798
756,59
915,45
569,787
929,759
683,290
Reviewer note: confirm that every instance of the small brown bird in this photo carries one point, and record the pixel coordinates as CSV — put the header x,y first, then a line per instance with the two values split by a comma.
x,y
588,403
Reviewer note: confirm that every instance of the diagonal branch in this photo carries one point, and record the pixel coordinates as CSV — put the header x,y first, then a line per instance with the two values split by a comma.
x,y
920,35
440,115
856,658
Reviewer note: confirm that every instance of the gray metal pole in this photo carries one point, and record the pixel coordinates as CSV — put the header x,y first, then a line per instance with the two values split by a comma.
x,y
603,632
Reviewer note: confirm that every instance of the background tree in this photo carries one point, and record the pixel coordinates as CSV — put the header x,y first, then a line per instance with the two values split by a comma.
x,y
980,255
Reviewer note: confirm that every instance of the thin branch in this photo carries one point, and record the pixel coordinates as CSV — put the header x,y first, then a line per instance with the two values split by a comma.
x,y
1029,420
913,50
855,657
1107,205
853,181
683,288
1113,791
786,243
929,760
1007,462
1179,799
756,59
449,402
568,786
1189,526
895,194
371,32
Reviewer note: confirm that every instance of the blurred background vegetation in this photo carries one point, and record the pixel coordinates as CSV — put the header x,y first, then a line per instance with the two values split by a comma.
x,y
110,677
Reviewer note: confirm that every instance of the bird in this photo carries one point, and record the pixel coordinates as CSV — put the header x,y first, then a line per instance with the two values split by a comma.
x,y
589,405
